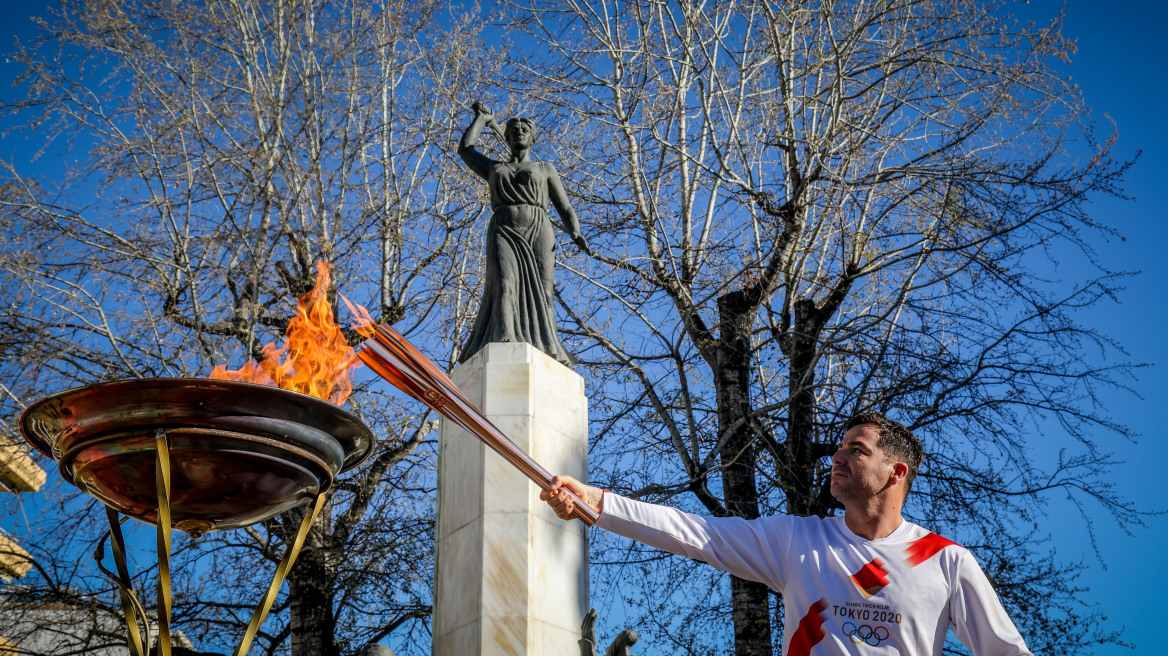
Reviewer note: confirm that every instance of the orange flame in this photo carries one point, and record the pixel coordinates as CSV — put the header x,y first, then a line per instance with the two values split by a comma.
x,y
315,358
362,321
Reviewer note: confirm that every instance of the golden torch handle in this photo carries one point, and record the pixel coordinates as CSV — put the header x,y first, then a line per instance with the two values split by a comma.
x,y
397,361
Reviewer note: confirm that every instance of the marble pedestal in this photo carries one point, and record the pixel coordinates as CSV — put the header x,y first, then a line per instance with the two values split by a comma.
x,y
512,577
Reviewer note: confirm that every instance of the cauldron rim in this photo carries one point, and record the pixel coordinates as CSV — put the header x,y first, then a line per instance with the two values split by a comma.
x,y
219,397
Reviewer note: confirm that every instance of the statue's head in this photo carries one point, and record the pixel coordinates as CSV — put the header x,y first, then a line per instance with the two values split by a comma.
x,y
520,132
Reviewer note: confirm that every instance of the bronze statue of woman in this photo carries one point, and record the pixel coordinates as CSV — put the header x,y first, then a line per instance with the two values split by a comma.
x,y
520,272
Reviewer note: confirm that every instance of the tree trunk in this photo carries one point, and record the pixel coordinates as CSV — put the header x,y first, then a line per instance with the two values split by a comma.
x,y
313,622
799,475
749,599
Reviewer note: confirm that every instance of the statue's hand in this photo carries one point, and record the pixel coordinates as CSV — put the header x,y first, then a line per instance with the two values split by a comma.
x,y
582,243
482,110
588,626
588,632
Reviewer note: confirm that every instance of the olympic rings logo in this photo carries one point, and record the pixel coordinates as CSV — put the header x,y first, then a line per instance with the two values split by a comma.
x,y
865,634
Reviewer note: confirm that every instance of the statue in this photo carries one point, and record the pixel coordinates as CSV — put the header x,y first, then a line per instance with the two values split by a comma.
x,y
520,268
619,647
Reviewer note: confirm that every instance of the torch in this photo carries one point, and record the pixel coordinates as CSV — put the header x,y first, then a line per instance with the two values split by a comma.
x,y
396,360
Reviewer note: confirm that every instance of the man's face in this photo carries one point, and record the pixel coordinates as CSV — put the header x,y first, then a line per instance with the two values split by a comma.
x,y
859,469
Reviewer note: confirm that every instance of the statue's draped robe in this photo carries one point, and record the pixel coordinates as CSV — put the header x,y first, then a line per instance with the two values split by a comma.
x,y
520,268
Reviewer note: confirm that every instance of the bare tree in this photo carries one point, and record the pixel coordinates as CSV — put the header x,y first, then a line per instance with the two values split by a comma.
x,y
221,149
803,210
800,211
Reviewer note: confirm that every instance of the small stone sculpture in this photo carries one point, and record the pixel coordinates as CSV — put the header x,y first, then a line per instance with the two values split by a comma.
x,y
619,647
517,301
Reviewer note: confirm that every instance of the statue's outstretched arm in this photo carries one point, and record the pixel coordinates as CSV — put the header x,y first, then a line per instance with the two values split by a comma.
x,y
560,200
478,162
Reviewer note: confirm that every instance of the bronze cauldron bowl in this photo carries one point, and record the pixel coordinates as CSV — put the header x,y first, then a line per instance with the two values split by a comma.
x,y
240,453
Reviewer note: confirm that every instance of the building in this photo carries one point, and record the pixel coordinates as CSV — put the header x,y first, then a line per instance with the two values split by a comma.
x,y
18,473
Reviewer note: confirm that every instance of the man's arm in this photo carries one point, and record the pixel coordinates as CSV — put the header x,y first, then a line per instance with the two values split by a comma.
x,y
753,550
979,621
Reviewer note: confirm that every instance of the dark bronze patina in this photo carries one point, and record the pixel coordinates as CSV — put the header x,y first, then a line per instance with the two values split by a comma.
x,y
519,280
241,453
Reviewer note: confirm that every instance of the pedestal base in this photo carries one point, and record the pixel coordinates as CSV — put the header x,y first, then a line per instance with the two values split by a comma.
x,y
512,577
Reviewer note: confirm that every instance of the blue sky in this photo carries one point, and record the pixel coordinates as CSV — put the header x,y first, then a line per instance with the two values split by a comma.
x,y
1120,66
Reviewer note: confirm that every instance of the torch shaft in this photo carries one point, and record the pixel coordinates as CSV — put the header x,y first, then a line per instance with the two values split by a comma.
x,y
395,360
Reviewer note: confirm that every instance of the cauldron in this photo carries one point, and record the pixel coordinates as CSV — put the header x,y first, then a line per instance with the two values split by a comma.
x,y
240,453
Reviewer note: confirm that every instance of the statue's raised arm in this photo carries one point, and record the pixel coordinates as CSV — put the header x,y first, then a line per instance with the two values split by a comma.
x,y
478,162
517,302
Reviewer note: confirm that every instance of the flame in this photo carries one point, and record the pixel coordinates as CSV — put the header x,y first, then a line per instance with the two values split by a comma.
x,y
315,358
362,321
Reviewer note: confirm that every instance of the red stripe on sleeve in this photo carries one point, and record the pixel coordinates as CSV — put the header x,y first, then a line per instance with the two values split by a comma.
x,y
810,630
919,551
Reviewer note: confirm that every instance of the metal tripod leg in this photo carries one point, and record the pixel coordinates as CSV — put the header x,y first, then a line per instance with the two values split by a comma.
x,y
261,611
162,484
130,604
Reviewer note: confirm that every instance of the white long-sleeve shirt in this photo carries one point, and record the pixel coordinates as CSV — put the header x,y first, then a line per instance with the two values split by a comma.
x,y
843,594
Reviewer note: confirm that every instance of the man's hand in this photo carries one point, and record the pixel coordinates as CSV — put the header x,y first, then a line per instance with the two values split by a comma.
x,y
562,502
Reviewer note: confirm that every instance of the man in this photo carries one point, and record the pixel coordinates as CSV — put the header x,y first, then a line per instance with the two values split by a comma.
x,y
850,584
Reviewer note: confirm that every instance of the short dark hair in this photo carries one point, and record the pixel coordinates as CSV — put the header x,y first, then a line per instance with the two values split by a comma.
x,y
898,442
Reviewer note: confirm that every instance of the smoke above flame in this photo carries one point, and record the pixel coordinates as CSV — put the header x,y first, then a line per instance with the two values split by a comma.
x,y
315,359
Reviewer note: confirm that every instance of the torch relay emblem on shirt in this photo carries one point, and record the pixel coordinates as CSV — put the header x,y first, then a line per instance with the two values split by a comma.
x,y
871,578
